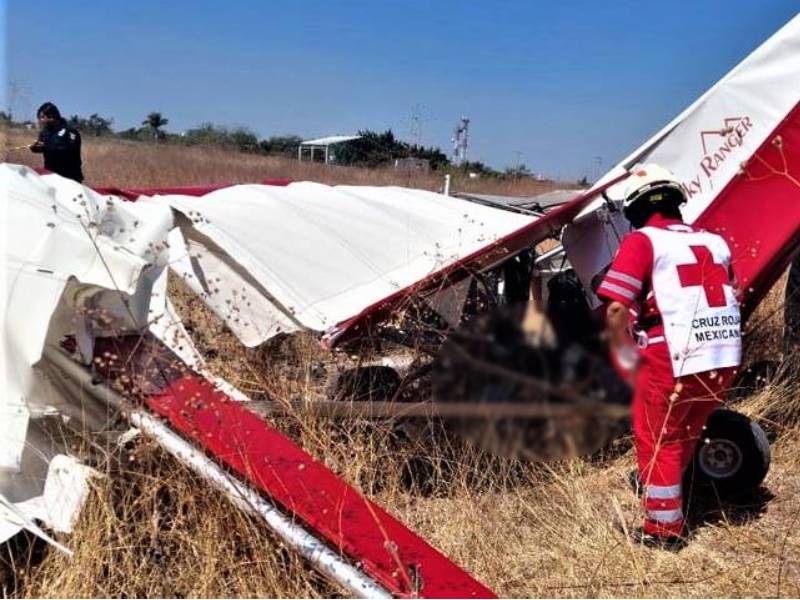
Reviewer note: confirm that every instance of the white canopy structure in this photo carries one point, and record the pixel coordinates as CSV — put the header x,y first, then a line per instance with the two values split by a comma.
x,y
323,144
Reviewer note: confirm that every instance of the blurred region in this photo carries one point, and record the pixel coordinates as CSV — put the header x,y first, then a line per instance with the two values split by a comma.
x,y
545,385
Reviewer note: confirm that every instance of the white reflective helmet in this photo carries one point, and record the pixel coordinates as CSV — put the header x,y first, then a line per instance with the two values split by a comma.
x,y
647,178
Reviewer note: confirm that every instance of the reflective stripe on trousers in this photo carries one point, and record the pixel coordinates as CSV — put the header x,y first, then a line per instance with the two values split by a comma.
x,y
662,492
666,517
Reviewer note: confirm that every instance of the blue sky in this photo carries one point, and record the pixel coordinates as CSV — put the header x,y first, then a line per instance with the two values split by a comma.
x,y
560,83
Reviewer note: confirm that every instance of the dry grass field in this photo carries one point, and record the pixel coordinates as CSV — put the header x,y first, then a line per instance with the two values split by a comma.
x,y
109,162
153,529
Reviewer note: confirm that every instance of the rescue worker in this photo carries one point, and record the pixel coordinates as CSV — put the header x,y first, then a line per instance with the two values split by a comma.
x,y
60,144
684,347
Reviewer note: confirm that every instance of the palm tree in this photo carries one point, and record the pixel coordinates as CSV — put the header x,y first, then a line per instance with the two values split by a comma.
x,y
155,121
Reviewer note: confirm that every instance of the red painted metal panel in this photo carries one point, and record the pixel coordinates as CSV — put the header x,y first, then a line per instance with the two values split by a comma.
x,y
386,549
758,212
335,512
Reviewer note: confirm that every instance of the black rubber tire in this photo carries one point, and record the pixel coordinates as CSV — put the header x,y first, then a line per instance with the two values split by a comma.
x,y
732,457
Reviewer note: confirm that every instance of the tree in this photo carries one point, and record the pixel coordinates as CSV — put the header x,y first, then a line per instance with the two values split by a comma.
x,y
243,140
370,150
154,122
583,181
285,145
208,134
98,125
480,168
519,170
373,149
94,125
435,157
133,133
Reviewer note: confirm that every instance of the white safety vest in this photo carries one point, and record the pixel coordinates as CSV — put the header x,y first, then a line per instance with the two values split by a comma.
x,y
694,295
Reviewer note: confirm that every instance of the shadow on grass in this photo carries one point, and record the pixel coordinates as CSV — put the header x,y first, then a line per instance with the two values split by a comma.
x,y
708,508
17,556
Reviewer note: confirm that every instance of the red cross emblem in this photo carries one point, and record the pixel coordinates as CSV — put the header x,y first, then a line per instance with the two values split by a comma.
x,y
707,273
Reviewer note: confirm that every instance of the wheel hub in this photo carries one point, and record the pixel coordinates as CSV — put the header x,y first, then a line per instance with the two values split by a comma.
x,y
720,458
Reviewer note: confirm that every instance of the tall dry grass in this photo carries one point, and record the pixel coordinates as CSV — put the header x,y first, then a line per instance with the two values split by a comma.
x,y
110,162
153,529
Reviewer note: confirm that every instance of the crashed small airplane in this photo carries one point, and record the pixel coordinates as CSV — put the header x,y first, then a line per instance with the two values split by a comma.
x,y
88,327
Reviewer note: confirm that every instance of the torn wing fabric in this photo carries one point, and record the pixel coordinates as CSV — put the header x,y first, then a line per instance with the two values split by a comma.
x,y
45,246
226,288
74,263
66,487
136,229
319,254
13,520
166,325
64,241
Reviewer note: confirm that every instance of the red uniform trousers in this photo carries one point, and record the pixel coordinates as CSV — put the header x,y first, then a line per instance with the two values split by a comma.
x,y
669,416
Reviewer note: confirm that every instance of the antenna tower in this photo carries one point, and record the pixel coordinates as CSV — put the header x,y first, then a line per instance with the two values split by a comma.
x,y
460,142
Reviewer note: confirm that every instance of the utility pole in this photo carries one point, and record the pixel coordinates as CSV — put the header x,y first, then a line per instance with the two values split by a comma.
x,y
416,121
17,94
598,160
518,164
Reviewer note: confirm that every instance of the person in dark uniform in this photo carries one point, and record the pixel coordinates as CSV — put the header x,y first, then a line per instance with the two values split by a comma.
x,y
60,144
